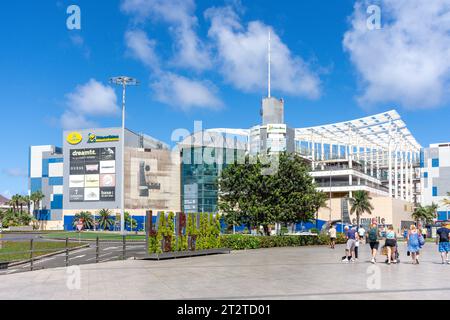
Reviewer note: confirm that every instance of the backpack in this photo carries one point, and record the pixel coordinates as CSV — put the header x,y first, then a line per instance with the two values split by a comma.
x,y
373,236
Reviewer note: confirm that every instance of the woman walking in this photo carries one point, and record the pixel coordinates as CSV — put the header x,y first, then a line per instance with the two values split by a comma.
x,y
414,244
391,244
373,241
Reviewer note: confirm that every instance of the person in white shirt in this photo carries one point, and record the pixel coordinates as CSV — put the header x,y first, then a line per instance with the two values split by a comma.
x,y
361,232
333,235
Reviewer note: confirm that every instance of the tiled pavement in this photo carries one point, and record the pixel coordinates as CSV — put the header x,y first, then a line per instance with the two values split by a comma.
x,y
279,273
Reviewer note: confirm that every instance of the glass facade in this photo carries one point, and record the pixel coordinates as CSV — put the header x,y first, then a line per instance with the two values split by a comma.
x,y
199,178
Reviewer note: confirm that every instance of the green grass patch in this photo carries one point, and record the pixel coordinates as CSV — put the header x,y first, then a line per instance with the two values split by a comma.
x,y
18,250
93,236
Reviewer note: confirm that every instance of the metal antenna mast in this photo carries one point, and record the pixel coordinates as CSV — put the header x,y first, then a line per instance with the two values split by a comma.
x,y
123,81
269,65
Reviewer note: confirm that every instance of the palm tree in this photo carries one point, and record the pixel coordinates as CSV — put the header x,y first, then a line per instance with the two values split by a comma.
x,y
15,202
86,217
36,198
360,203
446,202
27,202
425,214
105,220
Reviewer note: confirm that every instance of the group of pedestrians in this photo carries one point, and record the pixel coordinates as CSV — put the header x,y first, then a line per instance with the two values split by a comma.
x,y
415,241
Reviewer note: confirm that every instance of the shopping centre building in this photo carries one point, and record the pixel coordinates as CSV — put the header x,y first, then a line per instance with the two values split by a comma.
x,y
435,182
377,154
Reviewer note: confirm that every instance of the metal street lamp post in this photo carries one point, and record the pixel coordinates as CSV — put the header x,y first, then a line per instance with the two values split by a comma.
x,y
124,82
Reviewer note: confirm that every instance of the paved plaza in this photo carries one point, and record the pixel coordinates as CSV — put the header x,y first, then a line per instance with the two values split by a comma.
x,y
278,273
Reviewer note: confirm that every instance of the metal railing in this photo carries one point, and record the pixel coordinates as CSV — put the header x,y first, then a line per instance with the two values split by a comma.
x,y
66,252
347,184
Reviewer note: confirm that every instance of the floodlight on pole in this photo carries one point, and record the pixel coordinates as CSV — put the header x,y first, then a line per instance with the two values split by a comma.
x,y
124,82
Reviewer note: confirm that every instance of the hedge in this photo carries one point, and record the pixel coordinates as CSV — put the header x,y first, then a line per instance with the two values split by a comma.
x,y
243,242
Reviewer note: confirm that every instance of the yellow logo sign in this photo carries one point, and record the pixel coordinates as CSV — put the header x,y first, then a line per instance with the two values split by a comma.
x,y
92,138
74,138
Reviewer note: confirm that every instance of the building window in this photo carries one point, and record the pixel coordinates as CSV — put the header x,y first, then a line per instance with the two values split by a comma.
x,y
435,191
425,174
435,163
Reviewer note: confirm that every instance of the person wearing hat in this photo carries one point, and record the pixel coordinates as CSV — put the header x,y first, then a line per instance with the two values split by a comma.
x,y
442,240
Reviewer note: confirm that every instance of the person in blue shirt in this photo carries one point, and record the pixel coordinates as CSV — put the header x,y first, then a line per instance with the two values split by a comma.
x,y
352,236
442,240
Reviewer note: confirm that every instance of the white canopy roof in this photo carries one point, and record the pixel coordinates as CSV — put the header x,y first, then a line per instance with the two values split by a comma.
x,y
375,131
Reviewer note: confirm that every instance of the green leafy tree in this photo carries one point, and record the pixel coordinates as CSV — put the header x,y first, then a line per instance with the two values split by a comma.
x,y
86,217
16,202
105,220
249,196
360,203
36,198
27,202
425,214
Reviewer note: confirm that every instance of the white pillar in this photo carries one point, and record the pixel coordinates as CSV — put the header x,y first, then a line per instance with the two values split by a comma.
x,y
371,161
390,169
365,159
402,174
411,177
322,151
396,174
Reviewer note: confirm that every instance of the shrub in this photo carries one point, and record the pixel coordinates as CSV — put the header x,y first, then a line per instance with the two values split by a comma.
x,y
242,242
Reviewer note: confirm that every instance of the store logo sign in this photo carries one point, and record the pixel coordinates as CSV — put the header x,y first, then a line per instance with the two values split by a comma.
x,y
93,138
74,138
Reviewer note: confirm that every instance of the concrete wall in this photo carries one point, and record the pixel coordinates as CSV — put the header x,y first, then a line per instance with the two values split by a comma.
x,y
386,211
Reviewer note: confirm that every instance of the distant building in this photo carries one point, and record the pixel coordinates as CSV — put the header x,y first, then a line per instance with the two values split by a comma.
x,y
46,175
435,170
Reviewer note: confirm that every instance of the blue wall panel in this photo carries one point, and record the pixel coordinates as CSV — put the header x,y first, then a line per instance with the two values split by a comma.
x,y
435,163
36,184
45,168
57,202
442,215
55,181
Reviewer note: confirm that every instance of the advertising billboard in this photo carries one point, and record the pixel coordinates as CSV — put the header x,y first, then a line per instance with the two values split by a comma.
x,y
92,175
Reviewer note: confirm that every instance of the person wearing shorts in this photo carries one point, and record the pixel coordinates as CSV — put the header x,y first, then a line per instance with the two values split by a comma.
x,y
391,244
442,240
372,237
352,237
333,235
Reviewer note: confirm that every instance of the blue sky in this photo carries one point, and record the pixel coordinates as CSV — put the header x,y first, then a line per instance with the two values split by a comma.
x,y
204,60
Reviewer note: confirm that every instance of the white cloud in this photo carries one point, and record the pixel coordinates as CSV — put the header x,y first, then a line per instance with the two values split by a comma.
x,y
168,87
407,61
180,15
93,98
90,99
142,48
71,120
179,91
15,172
242,54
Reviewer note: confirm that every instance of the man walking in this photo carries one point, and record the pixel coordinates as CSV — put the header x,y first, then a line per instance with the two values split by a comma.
x,y
352,237
442,240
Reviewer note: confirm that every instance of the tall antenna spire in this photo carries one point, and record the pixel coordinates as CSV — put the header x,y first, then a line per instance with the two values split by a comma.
x,y
269,65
